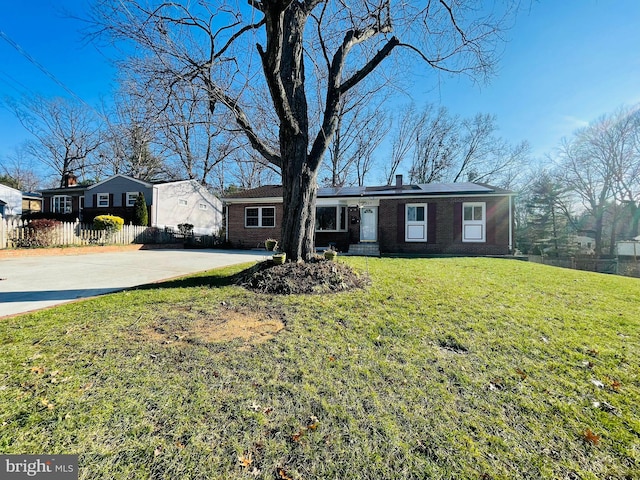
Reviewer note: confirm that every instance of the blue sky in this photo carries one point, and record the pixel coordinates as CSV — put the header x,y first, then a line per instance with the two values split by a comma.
x,y
566,63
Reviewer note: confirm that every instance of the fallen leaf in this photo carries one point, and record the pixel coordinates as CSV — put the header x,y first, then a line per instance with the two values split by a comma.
x,y
255,407
157,451
332,358
37,370
590,437
47,404
268,410
313,422
522,374
593,352
615,385
245,461
180,445
297,436
282,474
255,472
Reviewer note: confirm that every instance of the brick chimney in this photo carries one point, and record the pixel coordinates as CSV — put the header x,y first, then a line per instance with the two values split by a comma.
x,y
69,180
399,182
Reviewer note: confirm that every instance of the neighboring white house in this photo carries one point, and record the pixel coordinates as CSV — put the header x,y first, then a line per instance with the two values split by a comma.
x,y
186,202
10,202
583,243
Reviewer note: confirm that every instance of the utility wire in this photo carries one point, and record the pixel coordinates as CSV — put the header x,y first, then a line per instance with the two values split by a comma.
x,y
44,70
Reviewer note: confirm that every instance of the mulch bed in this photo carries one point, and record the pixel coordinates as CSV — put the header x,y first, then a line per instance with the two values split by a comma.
x,y
317,276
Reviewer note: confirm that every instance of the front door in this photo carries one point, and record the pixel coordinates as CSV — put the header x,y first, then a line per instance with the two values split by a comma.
x,y
369,224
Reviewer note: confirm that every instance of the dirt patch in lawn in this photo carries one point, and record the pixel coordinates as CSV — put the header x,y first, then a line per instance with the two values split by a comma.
x,y
315,276
227,325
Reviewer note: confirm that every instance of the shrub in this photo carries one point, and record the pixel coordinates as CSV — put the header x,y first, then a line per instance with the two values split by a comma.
x,y
42,231
185,229
140,213
38,233
110,223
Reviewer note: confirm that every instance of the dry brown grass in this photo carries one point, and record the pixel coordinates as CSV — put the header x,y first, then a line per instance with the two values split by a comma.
x,y
227,325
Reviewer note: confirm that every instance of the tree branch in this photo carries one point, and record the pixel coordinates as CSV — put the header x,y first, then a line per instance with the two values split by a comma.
x,y
243,123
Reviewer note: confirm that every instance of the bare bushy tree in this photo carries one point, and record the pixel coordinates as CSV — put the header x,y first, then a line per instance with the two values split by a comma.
x,y
444,148
19,165
600,164
242,55
67,134
131,138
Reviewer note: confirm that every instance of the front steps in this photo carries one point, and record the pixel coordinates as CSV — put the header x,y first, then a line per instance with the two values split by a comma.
x,y
365,249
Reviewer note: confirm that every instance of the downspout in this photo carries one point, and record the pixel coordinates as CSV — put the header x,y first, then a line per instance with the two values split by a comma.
x,y
154,205
226,222
510,224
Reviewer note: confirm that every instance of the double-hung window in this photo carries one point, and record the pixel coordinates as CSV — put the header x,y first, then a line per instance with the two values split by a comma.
x,y
61,204
131,198
416,223
474,223
102,200
260,217
331,218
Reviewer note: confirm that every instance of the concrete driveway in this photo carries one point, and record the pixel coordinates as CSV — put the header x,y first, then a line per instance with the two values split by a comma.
x,y
32,283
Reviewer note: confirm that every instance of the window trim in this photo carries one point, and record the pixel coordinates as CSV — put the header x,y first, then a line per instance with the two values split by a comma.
x,y
260,216
415,223
341,218
99,198
56,201
482,223
129,196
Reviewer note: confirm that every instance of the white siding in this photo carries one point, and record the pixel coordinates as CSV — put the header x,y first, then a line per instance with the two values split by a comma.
x,y
13,200
186,202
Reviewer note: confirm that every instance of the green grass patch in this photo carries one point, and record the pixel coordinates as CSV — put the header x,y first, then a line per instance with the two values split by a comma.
x,y
440,369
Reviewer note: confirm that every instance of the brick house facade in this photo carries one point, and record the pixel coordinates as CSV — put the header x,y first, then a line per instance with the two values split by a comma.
x,y
430,219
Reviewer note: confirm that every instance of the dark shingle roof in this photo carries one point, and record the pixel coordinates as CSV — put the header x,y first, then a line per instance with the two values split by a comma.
x,y
426,189
266,191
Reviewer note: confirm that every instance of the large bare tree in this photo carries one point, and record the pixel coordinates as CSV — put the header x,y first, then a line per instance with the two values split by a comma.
x,y
600,164
67,134
446,148
214,45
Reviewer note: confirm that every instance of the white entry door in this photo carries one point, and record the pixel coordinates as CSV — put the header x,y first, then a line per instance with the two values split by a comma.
x,y
369,224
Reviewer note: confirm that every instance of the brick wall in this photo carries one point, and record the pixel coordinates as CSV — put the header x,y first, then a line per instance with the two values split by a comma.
x,y
240,236
445,219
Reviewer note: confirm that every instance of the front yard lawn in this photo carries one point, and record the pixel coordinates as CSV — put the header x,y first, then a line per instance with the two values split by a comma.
x,y
439,369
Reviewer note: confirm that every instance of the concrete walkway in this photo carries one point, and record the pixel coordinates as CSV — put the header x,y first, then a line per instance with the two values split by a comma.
x,y
32,283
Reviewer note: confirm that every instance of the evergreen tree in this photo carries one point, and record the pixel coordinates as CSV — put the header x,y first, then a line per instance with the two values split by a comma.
x,y
140,213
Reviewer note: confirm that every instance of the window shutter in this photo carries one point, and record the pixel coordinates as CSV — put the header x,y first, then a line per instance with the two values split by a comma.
x,y
111,199
95,200
48,204
400,223
431,222
124,200
457,222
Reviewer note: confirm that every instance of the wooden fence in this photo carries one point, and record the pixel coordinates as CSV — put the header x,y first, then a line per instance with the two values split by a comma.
x,y
18,233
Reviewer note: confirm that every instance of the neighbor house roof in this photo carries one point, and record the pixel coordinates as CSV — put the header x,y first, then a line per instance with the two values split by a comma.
x,y
64,190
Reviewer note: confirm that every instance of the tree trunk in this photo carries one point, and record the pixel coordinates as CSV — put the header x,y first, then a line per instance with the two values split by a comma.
x,y
283,63
299,197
